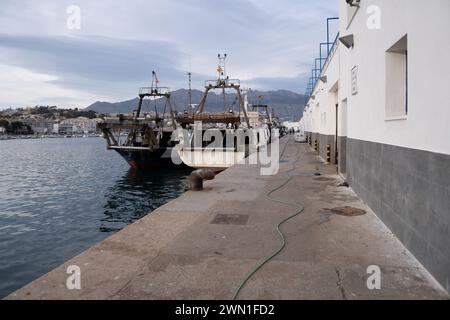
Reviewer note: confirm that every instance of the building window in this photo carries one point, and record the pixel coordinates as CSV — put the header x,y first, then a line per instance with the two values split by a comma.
x,y
397,80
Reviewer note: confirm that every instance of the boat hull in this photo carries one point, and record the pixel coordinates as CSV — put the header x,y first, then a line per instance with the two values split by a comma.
x,y
213,159
222,158
150,160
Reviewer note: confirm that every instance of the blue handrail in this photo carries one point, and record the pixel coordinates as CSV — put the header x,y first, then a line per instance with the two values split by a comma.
x,y
317,71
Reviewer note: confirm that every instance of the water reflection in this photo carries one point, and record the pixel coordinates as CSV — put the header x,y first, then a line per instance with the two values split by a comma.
x,y
58,197
139,192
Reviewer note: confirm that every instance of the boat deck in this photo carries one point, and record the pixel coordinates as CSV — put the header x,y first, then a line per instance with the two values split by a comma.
x,y
209,118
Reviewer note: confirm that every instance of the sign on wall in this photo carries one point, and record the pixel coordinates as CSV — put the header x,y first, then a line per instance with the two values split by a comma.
x,y
355,80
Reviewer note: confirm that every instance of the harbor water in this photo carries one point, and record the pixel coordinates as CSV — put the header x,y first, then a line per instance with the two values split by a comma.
x,y
58,197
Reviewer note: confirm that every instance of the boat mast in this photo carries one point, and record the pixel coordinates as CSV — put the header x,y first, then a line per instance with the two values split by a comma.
x,y
223,76
223,82
190,92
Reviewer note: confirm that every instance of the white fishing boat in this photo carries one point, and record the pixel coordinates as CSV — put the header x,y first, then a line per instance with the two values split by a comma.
x,y
220,140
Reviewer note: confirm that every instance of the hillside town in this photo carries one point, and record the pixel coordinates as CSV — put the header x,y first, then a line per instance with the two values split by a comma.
x,y
48,121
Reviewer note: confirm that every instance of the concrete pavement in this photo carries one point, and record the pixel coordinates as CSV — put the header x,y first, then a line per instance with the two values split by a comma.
x,y
204,244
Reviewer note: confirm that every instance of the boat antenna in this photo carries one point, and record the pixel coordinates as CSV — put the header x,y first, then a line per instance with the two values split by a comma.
x,y
154,89
221,69
155,80
222,64
190,89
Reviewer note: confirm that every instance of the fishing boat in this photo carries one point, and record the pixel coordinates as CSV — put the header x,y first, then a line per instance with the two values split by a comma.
x,y
219,140
144,140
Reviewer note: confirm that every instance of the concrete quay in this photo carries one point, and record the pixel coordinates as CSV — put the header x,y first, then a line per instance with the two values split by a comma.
x,y
202,245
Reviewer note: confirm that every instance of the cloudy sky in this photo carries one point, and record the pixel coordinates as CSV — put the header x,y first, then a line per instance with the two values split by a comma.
x,y
270,45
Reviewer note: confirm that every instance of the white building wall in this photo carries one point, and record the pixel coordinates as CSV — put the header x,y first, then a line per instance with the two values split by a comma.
x,y
326,93
426,126
400,166
426,24
321,113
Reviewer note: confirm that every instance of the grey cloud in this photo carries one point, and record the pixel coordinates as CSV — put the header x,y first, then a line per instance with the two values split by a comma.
x,y
103,59
90,62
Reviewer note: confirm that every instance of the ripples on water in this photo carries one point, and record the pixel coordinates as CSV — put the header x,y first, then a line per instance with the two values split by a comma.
x,y
58,197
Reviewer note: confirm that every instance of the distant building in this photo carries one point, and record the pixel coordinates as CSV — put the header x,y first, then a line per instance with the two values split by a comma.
x,y
81,125
92,125
40,126
65,129
296,126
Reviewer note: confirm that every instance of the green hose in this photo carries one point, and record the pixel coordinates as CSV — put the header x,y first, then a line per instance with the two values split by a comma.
x,y
300,209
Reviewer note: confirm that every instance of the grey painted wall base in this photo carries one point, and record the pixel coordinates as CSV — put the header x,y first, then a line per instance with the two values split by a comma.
x,y
325,140
342,155
322,142
410,191
314,137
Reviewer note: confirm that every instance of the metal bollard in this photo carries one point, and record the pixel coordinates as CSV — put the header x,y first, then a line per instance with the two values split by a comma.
x,y
198,176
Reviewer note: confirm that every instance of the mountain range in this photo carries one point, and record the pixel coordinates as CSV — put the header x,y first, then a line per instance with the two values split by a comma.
x,y
287,105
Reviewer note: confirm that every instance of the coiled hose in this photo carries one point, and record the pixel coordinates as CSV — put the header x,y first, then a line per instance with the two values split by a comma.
x,y
300,208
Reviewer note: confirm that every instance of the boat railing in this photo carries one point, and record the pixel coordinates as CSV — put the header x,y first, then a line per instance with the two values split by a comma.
x,y
154,91
222,83
209,118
